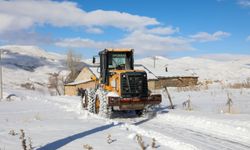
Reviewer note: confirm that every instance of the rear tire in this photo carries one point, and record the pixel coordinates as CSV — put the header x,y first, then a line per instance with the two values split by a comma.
x,y
89,100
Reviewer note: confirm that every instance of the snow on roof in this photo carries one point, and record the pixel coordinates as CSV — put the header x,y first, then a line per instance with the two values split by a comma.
x,y
174,69
150,75
95,70
161,73
154,73
78,82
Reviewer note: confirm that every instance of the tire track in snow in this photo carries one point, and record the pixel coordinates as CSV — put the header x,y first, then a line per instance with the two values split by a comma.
x,y
161,138
201,140
164,140
208,126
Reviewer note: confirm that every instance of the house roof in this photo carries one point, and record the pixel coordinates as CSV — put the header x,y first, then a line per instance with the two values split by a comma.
x,y
78,82
92,69
95,70
152,73
162,73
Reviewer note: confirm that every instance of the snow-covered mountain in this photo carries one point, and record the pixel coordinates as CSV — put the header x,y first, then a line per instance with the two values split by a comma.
x,y
31,51
205,69
29,64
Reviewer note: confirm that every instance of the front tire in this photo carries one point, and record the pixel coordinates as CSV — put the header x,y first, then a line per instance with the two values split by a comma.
x,y
139,112
101,104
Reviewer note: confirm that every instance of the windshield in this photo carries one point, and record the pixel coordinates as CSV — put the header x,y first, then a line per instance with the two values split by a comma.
x,y
117,60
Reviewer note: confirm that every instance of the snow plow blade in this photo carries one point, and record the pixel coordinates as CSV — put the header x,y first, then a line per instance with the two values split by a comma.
x,y
134,103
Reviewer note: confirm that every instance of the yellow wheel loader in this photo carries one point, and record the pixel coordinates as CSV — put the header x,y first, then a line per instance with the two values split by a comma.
x,y
119,87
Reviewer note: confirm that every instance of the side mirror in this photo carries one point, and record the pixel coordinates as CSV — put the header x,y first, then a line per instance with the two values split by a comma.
x,y
93,61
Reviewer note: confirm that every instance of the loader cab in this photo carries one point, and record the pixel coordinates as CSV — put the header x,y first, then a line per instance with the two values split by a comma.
x,y
115,59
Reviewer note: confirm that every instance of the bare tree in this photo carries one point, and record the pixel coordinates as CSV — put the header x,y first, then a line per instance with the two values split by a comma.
x,y
55,82
229,103
73,61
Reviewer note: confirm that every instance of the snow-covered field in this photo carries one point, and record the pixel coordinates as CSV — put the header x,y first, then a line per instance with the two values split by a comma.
x,y
58,122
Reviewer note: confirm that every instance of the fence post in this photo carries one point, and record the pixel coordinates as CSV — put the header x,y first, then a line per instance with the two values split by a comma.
x,y
169,97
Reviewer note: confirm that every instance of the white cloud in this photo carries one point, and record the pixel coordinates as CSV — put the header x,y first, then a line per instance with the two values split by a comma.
x,y
94,30
145,34
83,43
143,43
26,38
244,3
163,30
16,15
207,37
150,42
248,38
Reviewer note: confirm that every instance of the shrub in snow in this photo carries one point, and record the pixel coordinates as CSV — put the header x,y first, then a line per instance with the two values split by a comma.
x,y
30,147
29,86
187,104
23,141
13,133
87,147
141,142
229,103
109,139
240,85
153,145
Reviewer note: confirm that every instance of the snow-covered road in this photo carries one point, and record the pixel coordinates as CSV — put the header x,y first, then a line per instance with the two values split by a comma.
x,y
181,130
60,123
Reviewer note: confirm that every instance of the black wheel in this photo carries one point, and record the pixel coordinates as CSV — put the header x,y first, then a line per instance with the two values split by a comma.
x,y
97,105
89,100
101,104
139,112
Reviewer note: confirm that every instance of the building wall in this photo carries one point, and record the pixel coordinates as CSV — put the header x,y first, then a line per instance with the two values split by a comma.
x,y
90,84
70,90
151,85
84,75
176,82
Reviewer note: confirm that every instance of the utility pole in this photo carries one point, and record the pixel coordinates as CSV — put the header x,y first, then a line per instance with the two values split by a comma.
x,y
1,76
154,59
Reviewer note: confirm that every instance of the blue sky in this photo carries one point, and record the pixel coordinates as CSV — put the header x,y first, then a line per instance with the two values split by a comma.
x,y
172,28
